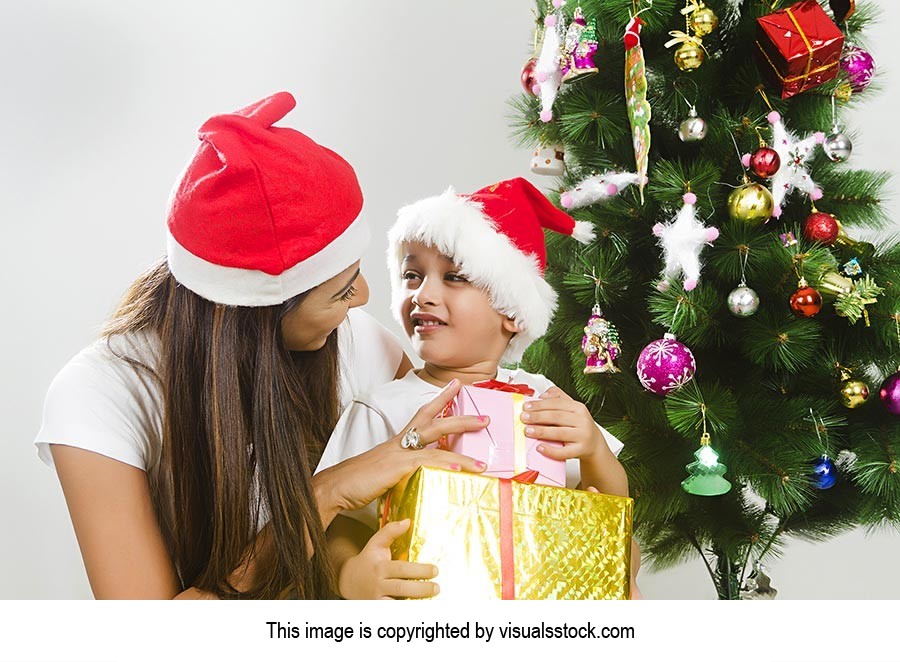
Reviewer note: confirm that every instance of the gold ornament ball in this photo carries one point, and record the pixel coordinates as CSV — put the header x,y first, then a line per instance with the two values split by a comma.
x,y
751,203
704,21
689,56
854,393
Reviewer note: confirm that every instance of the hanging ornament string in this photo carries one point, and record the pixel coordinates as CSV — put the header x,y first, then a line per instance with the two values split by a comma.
x,y
744,251
816,424
675,314
897,325
737,150
704,438
762,93
679,81
594,279
798,268
762,141
837,145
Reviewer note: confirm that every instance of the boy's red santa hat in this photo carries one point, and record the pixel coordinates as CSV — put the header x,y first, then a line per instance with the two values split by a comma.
x,y
496,237
262,213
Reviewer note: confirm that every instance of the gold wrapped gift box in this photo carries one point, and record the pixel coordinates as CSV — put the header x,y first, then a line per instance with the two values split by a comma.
x,y
497,538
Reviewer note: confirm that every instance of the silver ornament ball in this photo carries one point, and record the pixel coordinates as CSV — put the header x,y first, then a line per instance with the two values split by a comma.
x,y
838,147
743,301
692,130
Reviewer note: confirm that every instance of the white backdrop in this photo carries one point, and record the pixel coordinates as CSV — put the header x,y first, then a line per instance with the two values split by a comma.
x,y
101,101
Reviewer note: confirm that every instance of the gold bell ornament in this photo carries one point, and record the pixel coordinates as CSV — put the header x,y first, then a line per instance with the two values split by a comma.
x,y
699,21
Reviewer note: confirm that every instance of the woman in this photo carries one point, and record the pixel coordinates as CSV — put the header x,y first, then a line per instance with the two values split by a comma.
x,y
185,438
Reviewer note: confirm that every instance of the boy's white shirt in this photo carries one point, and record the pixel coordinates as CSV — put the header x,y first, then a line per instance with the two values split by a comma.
x,y
380,414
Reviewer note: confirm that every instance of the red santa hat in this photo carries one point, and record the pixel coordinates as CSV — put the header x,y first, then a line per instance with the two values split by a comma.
x,y
496,237
262,212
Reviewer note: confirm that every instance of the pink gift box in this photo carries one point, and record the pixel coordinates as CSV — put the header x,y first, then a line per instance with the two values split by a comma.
x,y
496,445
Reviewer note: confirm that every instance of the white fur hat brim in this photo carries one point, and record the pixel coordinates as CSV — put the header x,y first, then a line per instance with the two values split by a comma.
x,y
458,228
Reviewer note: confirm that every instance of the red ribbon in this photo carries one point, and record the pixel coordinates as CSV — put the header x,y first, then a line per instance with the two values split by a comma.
x,y
494,385
507,555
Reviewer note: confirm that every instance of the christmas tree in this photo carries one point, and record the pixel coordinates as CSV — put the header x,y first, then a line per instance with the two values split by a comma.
x,y
725,216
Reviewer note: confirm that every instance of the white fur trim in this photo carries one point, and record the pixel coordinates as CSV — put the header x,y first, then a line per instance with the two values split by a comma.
x,y
233,286
583,232
458,228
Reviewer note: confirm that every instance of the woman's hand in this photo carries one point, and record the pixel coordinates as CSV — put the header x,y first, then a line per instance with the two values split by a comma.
x,y
372,575
355,482
557,417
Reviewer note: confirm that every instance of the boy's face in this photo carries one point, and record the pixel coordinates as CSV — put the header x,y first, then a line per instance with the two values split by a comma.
x,y
449,321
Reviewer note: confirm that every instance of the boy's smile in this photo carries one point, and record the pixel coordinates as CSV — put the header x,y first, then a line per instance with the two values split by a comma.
x,y
425,323
449,320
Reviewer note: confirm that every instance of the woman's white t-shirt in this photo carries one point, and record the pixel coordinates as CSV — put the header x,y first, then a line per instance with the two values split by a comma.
x,y
102,403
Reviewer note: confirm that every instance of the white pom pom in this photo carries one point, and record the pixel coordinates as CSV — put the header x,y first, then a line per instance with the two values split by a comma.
x,y
583,232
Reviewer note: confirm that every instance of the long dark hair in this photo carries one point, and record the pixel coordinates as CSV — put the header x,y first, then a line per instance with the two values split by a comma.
x,y
244,424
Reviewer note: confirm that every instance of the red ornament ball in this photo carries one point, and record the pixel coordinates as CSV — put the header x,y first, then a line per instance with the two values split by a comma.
x,y
765,162
821,227
529,79
806,302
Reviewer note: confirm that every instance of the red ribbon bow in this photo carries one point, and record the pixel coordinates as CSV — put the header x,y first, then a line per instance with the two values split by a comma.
x,y
494,385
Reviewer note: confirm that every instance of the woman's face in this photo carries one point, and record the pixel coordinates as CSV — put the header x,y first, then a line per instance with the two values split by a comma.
x,y
307,327
449,321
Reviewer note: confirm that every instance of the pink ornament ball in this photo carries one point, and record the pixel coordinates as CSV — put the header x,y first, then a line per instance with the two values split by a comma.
x,y
745,159
550,21
774,117
546,115
890,394
859,67
816,194
665,365
712,234
566,200
612,189
558,3
690,284
689,198
819,137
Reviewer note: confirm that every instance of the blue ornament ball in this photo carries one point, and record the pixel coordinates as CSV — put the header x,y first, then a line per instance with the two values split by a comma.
x,y
824,473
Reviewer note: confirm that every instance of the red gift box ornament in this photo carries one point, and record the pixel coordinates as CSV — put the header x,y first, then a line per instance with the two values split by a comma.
x,y
798,48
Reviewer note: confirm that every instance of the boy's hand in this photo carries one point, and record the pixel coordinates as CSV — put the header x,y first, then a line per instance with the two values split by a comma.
x,y
372,575
557,417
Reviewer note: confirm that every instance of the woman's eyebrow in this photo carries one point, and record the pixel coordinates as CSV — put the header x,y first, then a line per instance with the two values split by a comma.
x,y
347,286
